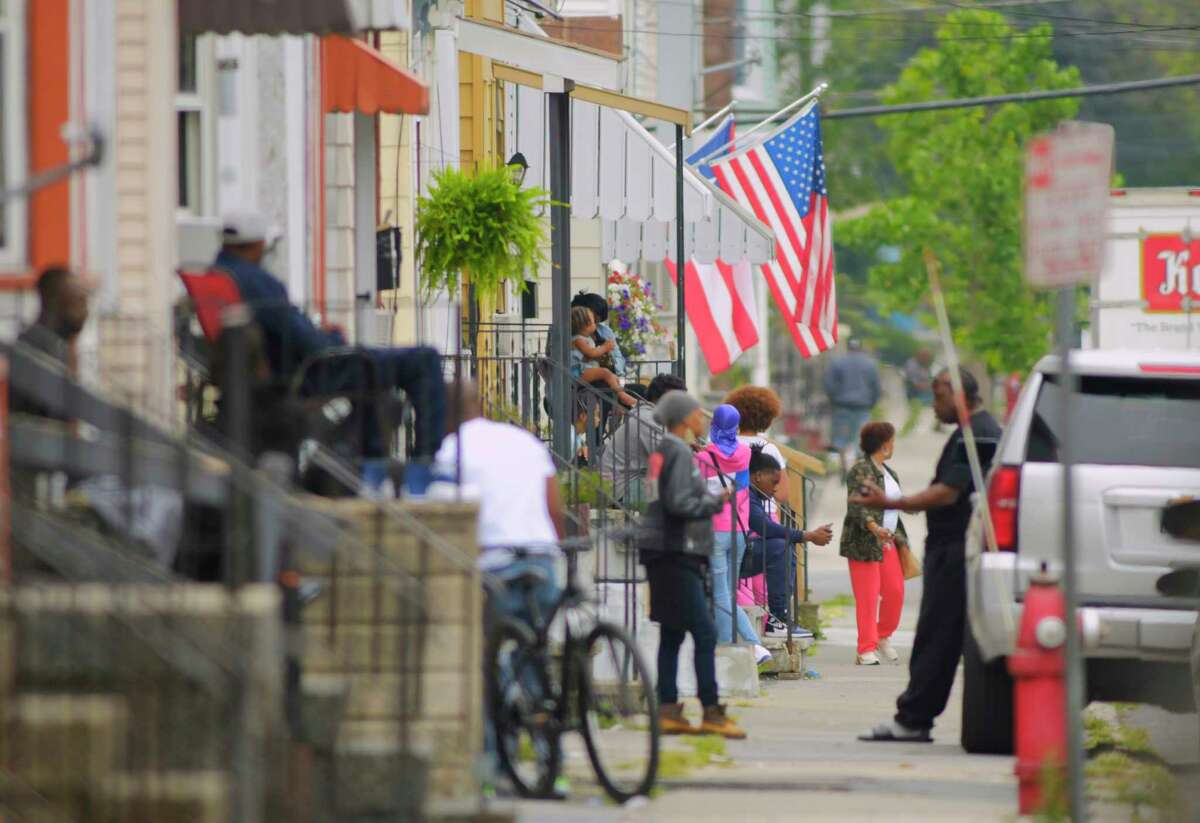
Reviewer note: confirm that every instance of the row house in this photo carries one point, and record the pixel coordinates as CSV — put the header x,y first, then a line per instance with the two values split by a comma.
x,y
200,107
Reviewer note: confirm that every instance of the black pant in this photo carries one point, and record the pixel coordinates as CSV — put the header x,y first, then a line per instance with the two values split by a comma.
x,y
691,614
416,371
939,641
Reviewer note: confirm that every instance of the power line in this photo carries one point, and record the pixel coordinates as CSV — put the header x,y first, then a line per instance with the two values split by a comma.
x,y
1019,97
1040,16
859,39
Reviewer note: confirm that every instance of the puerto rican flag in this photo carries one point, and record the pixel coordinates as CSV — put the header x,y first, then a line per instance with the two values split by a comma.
x,y
719,297
781,179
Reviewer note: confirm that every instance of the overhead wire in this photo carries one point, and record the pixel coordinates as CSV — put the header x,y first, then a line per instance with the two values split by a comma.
x,y
858,39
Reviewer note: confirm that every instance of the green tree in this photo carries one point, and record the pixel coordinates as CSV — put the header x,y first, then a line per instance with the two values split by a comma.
x,y
963,169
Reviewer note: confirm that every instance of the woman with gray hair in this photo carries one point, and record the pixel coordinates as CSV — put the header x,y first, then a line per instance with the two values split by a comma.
x,y
675,546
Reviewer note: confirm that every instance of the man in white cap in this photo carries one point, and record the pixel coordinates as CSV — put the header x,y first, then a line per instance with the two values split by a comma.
x,y
291,338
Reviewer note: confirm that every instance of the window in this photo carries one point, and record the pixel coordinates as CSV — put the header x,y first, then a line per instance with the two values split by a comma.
x,y
1121,421
12,128
192,114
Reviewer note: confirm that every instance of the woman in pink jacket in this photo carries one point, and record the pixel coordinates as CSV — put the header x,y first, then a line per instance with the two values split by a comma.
x,y
726,461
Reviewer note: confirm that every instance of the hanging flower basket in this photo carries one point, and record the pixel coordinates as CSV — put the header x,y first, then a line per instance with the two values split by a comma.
x,y
633,314
481,227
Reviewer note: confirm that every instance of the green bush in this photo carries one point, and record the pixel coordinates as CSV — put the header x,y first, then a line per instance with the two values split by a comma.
x,y
584,487
482,227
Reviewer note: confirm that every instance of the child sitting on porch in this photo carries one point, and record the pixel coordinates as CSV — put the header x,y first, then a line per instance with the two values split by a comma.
x,y
585,355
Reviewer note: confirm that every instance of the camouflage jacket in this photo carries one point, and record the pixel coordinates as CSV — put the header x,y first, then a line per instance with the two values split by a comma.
x,y
857,541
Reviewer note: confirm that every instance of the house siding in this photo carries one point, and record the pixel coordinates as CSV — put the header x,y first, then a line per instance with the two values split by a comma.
x,y
136,351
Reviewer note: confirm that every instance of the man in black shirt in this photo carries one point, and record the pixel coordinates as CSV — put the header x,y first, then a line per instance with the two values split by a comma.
x,y
939,640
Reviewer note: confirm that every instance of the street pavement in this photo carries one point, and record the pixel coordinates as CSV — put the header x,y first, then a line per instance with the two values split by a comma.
x,y
801,760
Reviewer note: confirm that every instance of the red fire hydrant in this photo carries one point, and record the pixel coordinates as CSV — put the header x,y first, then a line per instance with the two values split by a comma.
x,y
1038,667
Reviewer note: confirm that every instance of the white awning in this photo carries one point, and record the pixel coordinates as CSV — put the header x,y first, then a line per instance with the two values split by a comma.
x,y
621,174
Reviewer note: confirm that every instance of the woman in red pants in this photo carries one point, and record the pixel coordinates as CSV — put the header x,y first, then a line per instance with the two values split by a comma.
x,y
869,540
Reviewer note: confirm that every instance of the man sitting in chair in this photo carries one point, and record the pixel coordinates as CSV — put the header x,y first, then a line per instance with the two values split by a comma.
x,y
291,338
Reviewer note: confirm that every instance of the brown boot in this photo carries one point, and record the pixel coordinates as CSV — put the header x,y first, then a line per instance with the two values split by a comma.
x,y
672,721
717,722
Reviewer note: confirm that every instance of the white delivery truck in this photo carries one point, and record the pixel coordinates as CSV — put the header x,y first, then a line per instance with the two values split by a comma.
x,y
1148,296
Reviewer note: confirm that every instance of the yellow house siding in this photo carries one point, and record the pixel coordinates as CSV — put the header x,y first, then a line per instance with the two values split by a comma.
x,y
397,198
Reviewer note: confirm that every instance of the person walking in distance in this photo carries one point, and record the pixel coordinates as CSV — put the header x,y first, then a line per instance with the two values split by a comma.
x,y
939,640
675,545
852,384
870,540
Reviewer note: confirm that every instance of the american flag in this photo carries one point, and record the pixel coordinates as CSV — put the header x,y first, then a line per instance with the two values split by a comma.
x,y
782,180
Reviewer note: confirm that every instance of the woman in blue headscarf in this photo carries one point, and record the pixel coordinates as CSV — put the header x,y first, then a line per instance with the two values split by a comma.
x,y
726,461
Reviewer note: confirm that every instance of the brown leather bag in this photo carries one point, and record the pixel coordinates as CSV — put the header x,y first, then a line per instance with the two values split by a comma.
x,y
909,564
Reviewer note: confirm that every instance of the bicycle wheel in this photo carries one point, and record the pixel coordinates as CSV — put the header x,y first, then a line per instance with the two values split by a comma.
x,y
523,710
619,712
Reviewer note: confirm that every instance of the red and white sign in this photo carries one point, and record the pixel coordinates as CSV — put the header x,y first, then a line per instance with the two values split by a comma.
x,y
1170,274
1067,177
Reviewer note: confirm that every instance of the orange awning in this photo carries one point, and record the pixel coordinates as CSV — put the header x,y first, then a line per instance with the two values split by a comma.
x,y
357,78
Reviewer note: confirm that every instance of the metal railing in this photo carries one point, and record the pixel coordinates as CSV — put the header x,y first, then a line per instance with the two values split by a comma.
x,y
192,691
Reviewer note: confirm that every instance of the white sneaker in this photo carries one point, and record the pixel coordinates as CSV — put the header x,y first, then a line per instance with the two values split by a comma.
x,y
868,659
761,655
889,653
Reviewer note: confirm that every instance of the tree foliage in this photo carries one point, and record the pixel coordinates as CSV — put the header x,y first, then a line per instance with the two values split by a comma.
x,y
962,169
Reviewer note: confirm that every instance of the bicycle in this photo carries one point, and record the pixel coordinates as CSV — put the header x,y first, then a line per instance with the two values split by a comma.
x,y
594,681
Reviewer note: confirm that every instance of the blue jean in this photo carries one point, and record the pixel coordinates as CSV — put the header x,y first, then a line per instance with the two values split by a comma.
x,y
781,572
847,423
719,568
514,602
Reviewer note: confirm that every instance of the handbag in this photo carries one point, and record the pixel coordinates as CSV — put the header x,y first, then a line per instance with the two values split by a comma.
x,y
910,566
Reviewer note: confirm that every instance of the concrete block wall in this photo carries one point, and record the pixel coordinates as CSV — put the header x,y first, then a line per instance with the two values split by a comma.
x,y
365,631
140,702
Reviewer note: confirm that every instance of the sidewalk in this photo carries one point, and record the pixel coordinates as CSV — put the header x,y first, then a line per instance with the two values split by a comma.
x,y
802,760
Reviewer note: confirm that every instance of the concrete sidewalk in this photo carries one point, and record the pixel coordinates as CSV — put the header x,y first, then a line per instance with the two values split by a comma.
x,y
802,760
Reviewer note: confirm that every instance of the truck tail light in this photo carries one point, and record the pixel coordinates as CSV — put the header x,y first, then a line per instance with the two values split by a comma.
x,y
1004,493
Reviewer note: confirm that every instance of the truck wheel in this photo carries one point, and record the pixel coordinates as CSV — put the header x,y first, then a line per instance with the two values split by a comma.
x,y
987,706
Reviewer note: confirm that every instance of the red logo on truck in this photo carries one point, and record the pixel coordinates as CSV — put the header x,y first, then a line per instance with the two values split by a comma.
x,y
1170,272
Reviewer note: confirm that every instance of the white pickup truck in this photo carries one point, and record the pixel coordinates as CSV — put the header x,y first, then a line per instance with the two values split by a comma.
x,y
1137,447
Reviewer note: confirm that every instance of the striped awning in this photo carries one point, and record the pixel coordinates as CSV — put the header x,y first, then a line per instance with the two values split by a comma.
x,y
273,17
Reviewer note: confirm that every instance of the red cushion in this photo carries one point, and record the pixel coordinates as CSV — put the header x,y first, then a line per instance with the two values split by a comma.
x,y
212,292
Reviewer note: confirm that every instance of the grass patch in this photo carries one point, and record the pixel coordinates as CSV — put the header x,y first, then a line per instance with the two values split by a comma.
x,y
1117,777
839,601
1100,735
675,764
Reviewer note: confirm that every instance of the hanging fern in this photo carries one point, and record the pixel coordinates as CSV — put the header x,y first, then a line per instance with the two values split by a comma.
x,y
481,226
